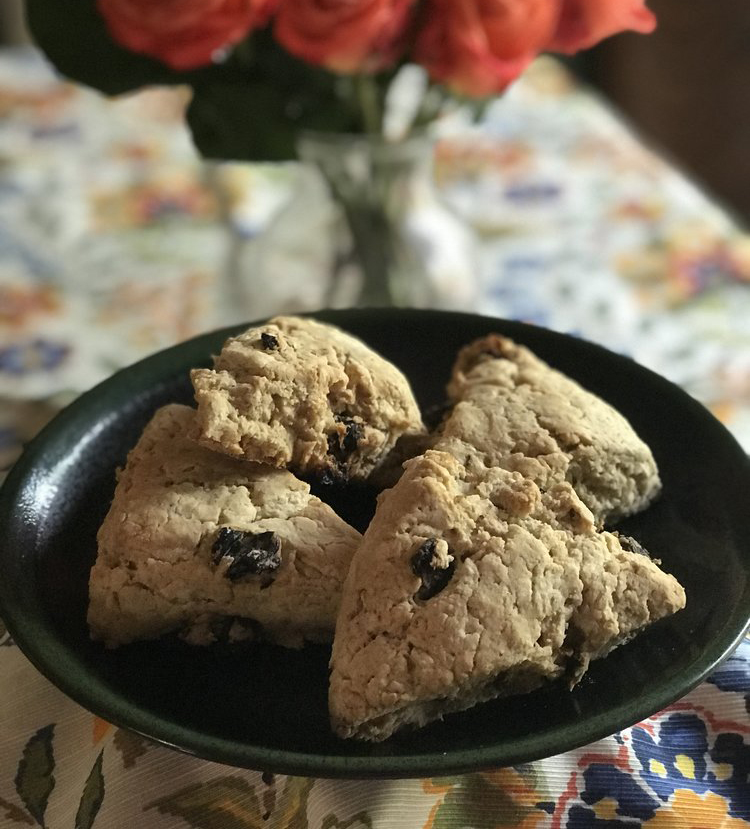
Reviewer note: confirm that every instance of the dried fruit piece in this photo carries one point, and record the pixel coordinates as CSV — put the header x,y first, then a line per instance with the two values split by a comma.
x,y
269,341
434,566
250,554
352,437
341,446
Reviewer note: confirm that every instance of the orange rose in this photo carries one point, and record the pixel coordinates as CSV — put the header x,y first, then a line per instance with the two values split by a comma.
x,y
184,34
477,47
585,22
343,35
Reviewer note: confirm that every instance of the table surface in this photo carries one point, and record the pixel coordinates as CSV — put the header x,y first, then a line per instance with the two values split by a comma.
x,y
113,244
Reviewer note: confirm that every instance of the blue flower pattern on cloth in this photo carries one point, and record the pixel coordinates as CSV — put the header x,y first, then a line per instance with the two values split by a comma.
x,y
734,674
680,757
606,782
36,355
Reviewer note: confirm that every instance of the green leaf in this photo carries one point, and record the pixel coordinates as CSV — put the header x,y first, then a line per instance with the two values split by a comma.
x,y
130,745
359,821
250,107
266,98
15,813
240,122
34,779
222,803
92,797
291,809
253,121
75,38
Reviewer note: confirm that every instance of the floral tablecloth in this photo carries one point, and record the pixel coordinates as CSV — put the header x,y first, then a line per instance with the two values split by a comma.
x,y
114,243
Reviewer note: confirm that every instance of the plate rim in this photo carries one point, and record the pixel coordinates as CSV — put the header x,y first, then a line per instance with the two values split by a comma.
x,y
35,638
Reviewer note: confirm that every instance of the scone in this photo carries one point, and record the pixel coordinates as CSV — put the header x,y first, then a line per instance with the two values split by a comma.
x,y
300,394
210,546
485,571
472,583
522,415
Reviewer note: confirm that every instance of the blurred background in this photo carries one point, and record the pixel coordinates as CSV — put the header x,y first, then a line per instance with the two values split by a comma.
x,y
610,202
685,87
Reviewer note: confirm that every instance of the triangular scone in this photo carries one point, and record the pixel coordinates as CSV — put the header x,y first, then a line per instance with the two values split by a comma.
x,y
298,393
522,415
198,542
471,583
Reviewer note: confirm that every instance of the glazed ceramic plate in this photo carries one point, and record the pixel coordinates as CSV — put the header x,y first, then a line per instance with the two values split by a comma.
x,y
264,707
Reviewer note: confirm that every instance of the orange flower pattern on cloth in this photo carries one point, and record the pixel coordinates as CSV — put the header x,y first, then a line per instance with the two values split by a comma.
x,y
344,35
184,34
585,22
689,810
477,47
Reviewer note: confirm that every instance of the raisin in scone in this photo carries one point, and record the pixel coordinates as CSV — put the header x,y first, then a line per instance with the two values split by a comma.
x,y
472,583
522,415
300,394
198,542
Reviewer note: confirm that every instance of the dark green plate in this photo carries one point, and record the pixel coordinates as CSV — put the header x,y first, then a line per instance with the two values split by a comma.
x,y
265,707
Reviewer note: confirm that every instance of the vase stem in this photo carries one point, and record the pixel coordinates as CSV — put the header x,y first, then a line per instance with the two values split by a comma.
x,y
369,104
371,238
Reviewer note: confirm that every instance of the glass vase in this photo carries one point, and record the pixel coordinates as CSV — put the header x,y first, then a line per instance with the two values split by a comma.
x,y
409,248
364,226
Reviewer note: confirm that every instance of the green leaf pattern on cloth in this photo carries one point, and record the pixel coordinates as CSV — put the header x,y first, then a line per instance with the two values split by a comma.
x,y
230,802
92,797
359,821
34,778
227,802
13,812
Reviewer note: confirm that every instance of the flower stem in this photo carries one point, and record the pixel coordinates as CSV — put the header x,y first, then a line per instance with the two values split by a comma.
x,y
369,104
